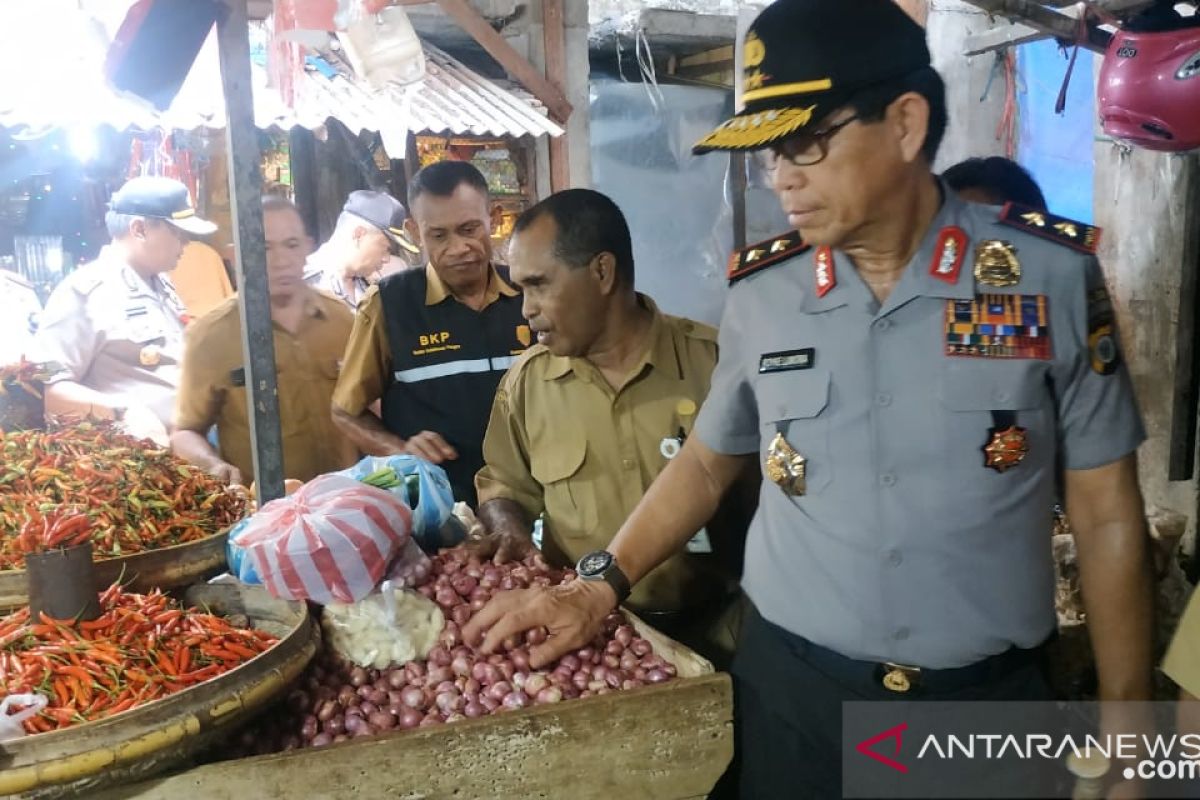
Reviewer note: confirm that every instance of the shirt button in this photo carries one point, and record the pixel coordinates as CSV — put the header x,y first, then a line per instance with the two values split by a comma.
x,y
883,324
887,479
894,558
901,634
627,463
883,399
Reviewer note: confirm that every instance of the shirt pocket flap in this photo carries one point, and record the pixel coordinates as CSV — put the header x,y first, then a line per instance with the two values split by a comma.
x,y
558,460
989,386
793,395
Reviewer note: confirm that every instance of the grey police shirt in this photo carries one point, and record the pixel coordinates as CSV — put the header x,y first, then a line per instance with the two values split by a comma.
x,y
117,333
906,547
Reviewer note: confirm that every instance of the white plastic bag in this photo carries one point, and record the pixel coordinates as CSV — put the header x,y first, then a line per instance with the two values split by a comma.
x,y
330,541
10,721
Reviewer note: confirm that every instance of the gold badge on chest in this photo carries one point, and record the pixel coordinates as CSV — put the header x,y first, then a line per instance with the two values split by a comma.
x,y
785,467
150,355
996,264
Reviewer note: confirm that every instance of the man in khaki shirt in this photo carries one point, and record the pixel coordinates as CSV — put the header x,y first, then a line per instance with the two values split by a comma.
x,y
311,330
588,417
431,345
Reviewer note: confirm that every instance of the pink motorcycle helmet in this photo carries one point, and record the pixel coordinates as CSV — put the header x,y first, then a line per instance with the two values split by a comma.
x,y
1149,87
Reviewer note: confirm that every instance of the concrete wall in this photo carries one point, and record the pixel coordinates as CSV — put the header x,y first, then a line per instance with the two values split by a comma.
x,y
973,121
1140,198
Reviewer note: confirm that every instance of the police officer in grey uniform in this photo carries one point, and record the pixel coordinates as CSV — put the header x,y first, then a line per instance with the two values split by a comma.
x,y
906,368
115,325
19,320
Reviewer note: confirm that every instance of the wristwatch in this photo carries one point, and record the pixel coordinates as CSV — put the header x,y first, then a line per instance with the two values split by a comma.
x,y
599,565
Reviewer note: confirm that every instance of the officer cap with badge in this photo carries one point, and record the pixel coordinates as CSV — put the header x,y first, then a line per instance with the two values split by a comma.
x,y
156,197
382,211
806,58
790,86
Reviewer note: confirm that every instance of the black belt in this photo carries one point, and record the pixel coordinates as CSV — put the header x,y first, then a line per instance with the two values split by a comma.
x,y
904,679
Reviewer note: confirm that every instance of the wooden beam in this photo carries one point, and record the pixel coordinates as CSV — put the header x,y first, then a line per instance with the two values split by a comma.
x,y
1187,355
998,38
554,35
517,65
1045,20
718,55
245,203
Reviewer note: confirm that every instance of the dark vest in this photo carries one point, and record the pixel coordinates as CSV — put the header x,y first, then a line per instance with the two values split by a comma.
x,y
447,362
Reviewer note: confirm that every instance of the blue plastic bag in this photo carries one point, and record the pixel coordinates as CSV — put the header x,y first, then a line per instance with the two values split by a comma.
x,y
239,565
433,500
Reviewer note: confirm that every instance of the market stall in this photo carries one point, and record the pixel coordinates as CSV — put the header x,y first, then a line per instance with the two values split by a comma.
x,y
383,682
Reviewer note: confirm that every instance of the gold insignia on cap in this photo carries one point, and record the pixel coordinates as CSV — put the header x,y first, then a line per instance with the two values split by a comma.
x,y
755,51
996,264
750,131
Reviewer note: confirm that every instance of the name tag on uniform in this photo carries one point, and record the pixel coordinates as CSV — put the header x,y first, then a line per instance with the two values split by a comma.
x,y
786,360
133,312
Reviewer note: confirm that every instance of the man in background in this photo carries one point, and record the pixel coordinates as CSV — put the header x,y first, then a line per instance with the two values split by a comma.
x,y
18,323
369,228
432,344
994,181
116,324
310,334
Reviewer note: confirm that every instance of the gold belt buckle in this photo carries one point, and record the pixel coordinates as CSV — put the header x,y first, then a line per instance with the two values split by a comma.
x,y
900,678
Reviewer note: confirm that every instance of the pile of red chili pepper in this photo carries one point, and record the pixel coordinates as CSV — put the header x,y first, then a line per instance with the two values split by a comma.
x,y
143,647
24,375
136,497
57,528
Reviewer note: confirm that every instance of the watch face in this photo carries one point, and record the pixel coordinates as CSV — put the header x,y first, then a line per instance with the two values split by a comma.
x,y
594,564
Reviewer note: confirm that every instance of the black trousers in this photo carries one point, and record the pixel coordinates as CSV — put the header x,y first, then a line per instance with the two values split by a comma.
x,y
788,712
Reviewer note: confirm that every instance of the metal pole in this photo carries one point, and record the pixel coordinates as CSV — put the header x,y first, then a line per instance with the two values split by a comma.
x,y
245,202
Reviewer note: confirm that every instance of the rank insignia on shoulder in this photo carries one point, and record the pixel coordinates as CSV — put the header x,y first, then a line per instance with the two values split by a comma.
x,y
999,326
1075,235
759,256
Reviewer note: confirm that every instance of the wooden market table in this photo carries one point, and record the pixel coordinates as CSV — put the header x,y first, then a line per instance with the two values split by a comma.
x,y
671,741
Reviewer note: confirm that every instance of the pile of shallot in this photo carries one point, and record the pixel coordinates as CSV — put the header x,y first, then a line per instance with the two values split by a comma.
x,y
337,700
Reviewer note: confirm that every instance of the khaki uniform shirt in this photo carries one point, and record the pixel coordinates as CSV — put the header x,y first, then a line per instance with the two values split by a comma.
x,y
116,333
19,320
562,441
213,387
905,546
1182,663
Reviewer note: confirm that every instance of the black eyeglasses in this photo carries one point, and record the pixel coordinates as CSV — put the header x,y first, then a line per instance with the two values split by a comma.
x,y
808,148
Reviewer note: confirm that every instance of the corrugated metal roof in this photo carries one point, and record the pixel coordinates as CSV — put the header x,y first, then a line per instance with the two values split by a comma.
x,y
66,89
452,99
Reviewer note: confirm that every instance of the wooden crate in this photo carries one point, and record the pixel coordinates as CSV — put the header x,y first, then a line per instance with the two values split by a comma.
x,y
667,741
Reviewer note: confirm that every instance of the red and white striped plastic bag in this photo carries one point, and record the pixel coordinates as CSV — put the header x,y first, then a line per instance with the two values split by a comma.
x,y
332,540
